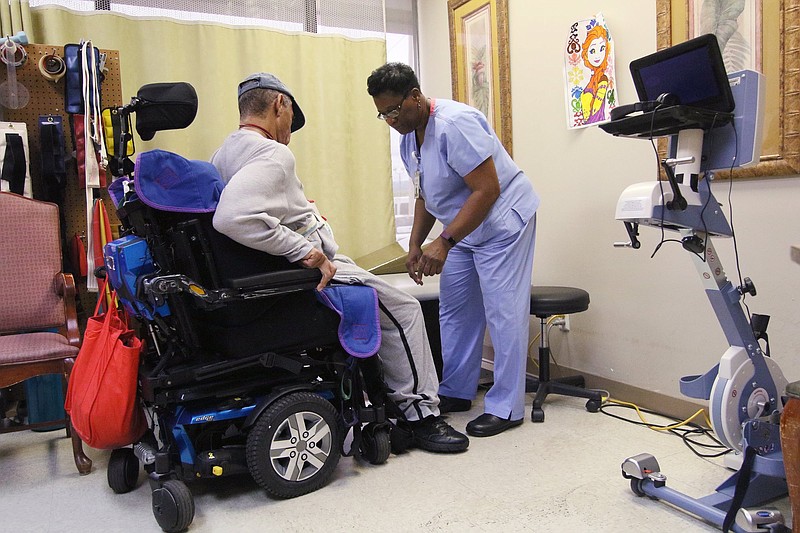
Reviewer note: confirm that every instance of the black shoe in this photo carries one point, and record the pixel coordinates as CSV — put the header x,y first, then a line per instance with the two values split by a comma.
x,y
448,404
435,435
487,425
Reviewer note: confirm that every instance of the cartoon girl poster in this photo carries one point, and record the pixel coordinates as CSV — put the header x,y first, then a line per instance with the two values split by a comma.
x,y
589,66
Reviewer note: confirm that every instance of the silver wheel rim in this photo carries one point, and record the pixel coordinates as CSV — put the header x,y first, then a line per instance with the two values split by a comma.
x,y
301,446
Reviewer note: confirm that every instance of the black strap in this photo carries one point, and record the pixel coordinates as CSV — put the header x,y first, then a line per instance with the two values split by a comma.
x,y
14,164
742,482
54,172
350,389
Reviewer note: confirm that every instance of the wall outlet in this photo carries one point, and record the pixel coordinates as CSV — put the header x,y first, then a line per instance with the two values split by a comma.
x,y
564,325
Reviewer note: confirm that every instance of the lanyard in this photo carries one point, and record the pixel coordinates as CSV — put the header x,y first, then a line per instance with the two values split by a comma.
x,y
418,154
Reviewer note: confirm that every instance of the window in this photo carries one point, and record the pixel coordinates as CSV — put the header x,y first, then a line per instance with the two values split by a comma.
x,y
401,45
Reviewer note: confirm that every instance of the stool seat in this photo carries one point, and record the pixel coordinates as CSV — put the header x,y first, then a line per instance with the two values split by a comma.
x,y
548,301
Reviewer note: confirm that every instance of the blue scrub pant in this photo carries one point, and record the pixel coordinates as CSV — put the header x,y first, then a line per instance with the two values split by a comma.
x,y
480,285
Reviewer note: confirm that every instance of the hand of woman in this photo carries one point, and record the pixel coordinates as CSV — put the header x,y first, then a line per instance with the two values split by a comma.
x,y
432,260
414,254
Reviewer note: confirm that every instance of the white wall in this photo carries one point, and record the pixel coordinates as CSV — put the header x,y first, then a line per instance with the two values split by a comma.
x,y
649,322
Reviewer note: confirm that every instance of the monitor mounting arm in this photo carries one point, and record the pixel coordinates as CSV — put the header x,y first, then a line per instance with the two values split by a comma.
x,y
678,202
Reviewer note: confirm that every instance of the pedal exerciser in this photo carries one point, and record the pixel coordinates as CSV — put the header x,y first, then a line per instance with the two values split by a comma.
x,y
713,121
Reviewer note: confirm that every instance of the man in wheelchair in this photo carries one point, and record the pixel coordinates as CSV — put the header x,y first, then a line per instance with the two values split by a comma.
x,y
263,207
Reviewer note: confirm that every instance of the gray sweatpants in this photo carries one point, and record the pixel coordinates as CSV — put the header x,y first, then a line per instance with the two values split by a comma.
x,y
405,353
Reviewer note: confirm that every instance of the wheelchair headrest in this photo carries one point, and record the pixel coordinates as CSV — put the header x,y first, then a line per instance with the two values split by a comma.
x,y
164,106
169,182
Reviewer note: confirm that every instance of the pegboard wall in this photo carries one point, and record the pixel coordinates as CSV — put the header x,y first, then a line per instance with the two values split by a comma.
x,y
47,98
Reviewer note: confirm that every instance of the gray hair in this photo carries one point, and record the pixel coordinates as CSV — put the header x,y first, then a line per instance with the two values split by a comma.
x,y
256,102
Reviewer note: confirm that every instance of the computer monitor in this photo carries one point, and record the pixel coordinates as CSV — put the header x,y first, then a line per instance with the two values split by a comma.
x,y
692,71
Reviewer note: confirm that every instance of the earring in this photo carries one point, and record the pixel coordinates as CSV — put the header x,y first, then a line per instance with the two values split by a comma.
x,y
418,105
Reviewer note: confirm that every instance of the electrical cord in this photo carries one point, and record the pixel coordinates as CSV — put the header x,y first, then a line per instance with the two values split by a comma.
x,y
686,429
707,181
730,217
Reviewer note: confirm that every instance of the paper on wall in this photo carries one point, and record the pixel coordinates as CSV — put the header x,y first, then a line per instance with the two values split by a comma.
x,y
589,73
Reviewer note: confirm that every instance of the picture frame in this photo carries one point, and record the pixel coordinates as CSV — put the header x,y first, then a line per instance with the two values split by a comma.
x,y
780,56
479,60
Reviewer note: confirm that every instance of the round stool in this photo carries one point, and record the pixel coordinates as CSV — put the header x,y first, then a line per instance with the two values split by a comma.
x,y
545,303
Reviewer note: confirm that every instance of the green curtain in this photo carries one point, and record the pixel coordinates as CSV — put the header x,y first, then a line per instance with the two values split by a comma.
x,y
342,153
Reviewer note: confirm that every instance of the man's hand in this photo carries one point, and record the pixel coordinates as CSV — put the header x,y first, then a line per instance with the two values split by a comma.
x,y
316,259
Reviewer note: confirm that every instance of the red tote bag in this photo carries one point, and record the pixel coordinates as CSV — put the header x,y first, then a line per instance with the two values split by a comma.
x,y
101,395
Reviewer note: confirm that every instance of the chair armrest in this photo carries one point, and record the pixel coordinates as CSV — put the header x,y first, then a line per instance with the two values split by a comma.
x,y
301,278
65,288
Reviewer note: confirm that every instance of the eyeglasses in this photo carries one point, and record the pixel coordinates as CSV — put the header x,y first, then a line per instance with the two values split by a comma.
x,y
394,112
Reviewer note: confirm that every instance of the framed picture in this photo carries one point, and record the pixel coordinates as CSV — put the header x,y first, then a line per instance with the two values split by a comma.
x,y
479,60
778,53
743,40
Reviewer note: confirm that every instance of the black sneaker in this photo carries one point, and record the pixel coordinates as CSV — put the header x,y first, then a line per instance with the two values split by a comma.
x,y
449,404
433,434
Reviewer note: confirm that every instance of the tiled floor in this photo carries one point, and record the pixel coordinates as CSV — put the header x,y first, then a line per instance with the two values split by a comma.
x,y
561,475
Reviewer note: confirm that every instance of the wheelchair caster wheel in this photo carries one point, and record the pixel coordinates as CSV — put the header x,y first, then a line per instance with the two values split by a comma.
x,y
295,445
123,470
173,506
375,444
593,406
537,415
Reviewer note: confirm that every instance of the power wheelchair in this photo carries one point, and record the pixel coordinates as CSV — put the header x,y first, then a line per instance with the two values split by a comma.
x,y
244,371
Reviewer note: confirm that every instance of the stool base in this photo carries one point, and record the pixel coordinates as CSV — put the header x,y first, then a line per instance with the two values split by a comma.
x,y
565,386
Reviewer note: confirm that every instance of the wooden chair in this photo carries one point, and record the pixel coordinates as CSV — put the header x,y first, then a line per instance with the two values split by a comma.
x,y
38,322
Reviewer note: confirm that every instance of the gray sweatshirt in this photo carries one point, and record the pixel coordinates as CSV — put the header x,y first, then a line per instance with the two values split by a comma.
x,y
263,205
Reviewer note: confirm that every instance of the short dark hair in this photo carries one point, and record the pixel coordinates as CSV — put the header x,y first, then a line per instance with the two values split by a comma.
x,y
396,78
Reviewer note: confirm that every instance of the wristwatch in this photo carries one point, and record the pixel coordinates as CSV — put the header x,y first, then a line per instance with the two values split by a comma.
x,y
449,238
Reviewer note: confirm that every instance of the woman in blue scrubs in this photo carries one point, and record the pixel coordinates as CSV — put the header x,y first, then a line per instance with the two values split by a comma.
x,y
464,178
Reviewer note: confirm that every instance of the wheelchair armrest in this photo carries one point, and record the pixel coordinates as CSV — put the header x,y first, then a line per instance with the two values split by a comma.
x,y
302,278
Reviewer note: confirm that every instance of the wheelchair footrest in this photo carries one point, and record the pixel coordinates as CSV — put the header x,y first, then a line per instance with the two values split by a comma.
x,y
372,414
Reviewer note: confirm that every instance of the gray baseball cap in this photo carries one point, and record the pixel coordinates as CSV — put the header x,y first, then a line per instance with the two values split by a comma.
x,y
265,80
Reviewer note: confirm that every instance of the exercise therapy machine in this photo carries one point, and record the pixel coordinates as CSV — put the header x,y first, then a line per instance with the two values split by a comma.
x,y
713,121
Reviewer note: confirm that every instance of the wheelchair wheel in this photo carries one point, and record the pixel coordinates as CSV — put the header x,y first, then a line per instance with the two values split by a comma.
x,y
375,444
123,470
173,506
294,445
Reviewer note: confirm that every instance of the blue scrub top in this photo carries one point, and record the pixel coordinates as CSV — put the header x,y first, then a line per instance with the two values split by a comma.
x,y
458,138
